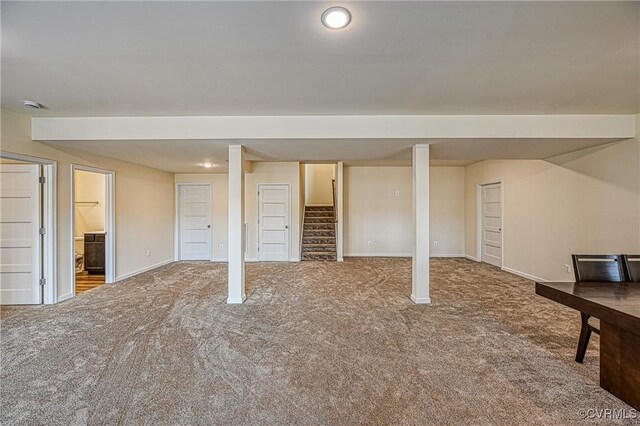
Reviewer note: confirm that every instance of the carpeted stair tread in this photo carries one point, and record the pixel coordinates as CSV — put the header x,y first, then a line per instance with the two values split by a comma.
x,y
319,214
318,208
319,249
328,220
318,256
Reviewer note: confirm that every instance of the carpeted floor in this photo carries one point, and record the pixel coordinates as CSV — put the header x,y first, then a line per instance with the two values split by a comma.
x,y
315,344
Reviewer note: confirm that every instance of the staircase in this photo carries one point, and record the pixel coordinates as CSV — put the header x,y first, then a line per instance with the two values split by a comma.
x,y
319,234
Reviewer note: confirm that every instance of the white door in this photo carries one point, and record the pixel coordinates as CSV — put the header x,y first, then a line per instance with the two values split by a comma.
x,y
195,222
273,222
492,224
20,234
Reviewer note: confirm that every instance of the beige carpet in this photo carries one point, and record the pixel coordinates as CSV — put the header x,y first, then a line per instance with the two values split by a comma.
x,y
316,343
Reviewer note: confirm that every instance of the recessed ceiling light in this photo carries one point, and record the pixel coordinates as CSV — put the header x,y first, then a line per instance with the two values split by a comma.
x,y
32,104
207,165
336,18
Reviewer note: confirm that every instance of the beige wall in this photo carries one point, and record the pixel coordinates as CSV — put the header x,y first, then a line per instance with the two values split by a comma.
x,y
318,184
219,195
277,172
584,202
373,211
446,210
143,204
377,222
89,217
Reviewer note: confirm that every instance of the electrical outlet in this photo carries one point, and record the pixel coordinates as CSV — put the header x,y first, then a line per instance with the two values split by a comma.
x,y
148,252
567,268
369,243
221,246
435,244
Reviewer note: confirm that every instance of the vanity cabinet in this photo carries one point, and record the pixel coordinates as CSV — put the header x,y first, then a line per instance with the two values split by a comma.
x,y
94,253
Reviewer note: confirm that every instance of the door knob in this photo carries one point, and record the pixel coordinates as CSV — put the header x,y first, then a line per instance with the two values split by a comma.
x,y
286,227
208,226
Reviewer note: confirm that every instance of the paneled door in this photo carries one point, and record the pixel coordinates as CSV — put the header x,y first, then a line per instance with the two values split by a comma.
x,y
195,222
492,224
20,263
273,222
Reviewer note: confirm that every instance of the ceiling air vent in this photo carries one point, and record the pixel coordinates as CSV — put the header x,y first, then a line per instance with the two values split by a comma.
x,y
32,104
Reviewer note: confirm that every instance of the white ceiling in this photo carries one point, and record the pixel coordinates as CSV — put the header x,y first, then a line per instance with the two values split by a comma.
x,y
186,156
275,58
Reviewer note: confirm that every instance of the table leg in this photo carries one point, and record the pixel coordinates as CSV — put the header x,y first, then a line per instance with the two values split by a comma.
x,y
620,363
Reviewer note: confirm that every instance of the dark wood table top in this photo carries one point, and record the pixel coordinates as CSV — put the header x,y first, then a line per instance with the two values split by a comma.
x,y
616,303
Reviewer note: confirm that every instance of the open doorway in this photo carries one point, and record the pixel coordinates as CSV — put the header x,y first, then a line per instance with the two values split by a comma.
x,y
27,230
320,213
92,225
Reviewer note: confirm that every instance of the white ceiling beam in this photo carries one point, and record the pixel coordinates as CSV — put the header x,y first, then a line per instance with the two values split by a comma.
x,y
334,127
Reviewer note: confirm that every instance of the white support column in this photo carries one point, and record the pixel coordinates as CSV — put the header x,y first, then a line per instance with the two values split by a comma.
x,y
340,207
236,225
420,251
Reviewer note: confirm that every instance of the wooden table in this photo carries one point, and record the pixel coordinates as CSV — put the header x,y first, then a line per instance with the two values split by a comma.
x,y
617,306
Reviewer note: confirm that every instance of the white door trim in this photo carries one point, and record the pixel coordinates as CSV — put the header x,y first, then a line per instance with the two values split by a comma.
x,y
176,221
258,186
49,208
480,220
340,212
109,226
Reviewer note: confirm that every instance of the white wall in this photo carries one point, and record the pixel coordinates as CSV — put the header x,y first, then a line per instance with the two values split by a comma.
x,y
276,172
219,197
584,202
89,217
374,213
143,204
318,184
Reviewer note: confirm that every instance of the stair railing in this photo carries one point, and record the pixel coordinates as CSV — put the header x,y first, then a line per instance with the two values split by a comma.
x,y
335,207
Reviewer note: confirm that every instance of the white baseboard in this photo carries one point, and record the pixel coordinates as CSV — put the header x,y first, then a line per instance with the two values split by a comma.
x,y
397,255
255,259
475,259
318,205
236,300
64,297
523,274
421,300
377,255
140,271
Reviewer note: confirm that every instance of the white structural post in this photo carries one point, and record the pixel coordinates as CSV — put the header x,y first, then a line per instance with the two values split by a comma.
x,y
340,215
236,225
420,250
